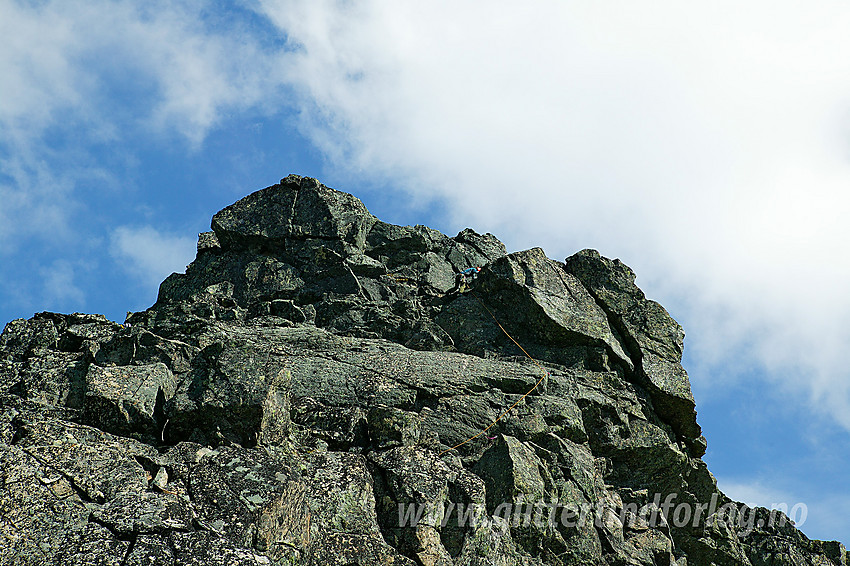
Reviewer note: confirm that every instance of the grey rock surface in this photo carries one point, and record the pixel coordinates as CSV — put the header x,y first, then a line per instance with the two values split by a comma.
x,y
323,388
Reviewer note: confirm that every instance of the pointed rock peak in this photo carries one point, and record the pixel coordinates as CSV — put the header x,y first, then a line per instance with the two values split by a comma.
x,y
297,208
487,244
611,277
612,283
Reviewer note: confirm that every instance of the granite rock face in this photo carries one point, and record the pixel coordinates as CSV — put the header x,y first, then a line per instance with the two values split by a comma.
x,y
321,387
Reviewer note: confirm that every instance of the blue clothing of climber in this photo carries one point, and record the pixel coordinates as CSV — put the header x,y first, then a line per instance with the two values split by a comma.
x,y
465,279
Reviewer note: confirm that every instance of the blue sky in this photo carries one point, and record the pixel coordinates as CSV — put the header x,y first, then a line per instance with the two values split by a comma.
x,y
707,147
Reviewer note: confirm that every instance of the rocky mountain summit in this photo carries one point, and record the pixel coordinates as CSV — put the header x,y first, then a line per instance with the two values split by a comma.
x,y
324,388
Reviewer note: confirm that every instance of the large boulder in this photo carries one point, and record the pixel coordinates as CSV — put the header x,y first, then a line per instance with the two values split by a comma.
x,y
653,338
296,209
548,312
128,399
237,391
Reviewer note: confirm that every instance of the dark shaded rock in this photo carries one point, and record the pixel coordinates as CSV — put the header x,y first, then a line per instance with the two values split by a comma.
x,y
98,465
52,331
22,338
836,552
321,387
93,545
389,426
510,470
131,513
251,498
238,391
51,378
487,245
209,549
519,480
137,346
548,309
300,252
208,241
342,517
128,399
297,208
42,510
413,479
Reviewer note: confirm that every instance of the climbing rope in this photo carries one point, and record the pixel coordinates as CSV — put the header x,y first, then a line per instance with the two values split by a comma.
x,y
517,402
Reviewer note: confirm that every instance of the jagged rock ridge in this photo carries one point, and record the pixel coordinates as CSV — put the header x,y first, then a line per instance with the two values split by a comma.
x,y
302,382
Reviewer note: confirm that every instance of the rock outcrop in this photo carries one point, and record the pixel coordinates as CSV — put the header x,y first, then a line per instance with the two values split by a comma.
x,y
314,388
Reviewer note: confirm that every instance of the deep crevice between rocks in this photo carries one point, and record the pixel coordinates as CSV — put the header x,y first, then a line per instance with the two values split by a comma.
x,y
130,548
387,513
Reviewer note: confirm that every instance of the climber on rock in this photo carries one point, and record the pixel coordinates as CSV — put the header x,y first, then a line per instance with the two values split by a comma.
x,y
465,279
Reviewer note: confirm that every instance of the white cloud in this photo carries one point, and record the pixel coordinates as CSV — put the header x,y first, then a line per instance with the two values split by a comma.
x,y
34,202
707,146
757,494
59,285
93,62
150,255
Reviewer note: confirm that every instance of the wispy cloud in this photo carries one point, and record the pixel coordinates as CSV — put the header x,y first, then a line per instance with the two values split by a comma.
x,y
162,63
149,254
35,202
59,285
757,494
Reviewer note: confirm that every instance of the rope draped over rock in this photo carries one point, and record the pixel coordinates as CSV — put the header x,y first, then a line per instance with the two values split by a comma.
x,y
518,401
